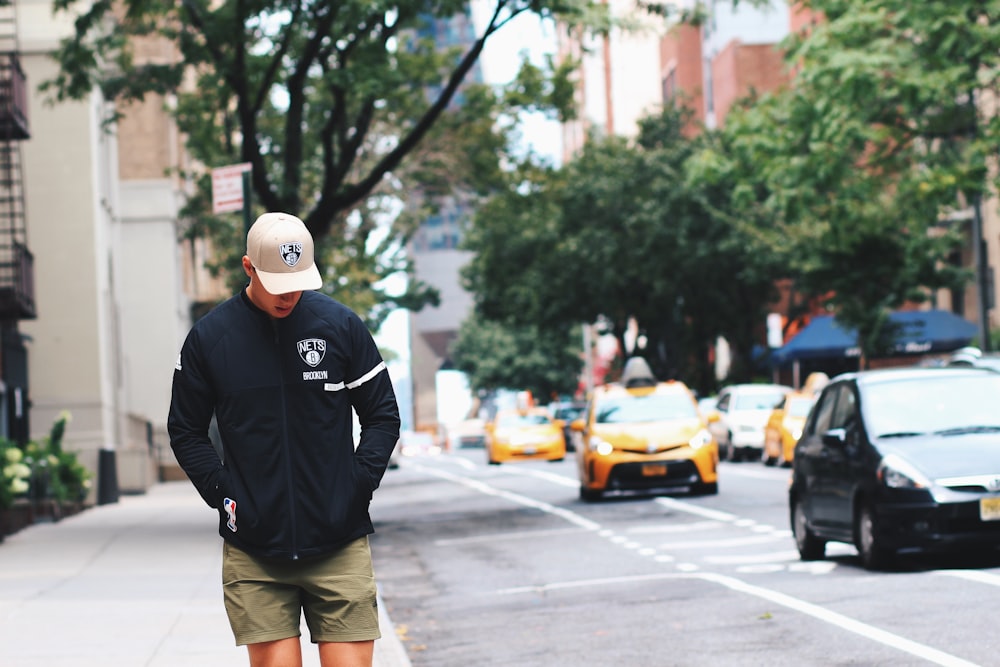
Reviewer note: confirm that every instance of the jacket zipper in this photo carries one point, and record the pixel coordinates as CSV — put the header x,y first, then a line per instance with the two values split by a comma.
x,y
285,443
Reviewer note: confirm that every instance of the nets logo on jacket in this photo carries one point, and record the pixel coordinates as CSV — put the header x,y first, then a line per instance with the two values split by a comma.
x,y
312,351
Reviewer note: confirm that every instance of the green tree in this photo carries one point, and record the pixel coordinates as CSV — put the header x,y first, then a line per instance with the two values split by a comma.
x,y
496,356
622,233
343,109
875,143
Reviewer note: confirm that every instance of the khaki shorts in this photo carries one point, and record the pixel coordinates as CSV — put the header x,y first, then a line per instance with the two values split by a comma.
x,y
265,599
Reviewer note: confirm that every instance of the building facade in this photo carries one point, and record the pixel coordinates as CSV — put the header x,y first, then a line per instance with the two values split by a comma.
x,y
110,291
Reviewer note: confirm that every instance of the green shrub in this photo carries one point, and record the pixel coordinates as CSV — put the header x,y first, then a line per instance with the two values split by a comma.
x,y
15,473
42,470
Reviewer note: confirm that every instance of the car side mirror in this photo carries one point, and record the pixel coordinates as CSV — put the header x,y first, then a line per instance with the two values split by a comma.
x,y
712,416
577,425
835,437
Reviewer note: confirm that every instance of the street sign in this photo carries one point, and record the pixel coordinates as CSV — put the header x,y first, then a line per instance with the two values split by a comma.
x,y
227,188
775,330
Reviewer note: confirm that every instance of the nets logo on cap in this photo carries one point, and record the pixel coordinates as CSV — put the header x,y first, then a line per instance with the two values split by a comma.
x,y
290,253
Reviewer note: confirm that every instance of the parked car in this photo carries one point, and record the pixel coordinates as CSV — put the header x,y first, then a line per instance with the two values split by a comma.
x,y
418,443
784,426
520,434
649,438
564,412
468,433
904,458
740,414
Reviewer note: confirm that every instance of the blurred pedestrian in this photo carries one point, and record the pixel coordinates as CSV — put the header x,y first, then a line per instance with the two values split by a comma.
x,y
282,367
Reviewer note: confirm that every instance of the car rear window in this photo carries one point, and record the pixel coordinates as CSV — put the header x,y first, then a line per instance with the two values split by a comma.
x,y
757,400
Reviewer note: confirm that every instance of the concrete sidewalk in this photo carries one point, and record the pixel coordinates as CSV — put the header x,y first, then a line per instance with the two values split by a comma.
x,y
130,584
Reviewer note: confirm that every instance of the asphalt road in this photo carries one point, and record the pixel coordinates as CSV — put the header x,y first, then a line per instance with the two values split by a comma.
x,y
504,565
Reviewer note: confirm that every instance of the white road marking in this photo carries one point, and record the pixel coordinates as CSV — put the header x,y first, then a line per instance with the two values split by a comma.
x,y
494,537
674,528
756,473
972,575
555,478
738,559
517,498
696,509
690,570
827,616
917,649
720,543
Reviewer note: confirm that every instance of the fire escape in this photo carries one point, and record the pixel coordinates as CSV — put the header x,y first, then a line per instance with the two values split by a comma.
x,y
17,273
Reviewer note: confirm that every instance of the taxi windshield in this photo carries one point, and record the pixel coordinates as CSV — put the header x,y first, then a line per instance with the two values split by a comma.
x,y
515,420
654,407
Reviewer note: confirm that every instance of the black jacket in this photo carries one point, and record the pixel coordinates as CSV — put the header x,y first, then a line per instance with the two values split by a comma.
x,y
291,483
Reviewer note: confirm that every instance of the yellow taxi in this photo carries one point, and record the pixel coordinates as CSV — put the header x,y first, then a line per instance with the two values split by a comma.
x,y
784,426
524,434
645,436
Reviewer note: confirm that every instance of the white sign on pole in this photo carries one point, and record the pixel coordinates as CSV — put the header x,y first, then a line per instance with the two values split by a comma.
x,y
775,334
227,188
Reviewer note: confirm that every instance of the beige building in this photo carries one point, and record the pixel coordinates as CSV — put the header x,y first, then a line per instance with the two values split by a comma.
x,y
112,292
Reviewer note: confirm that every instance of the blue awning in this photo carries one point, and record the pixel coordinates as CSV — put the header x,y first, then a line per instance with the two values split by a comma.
x,y
921,332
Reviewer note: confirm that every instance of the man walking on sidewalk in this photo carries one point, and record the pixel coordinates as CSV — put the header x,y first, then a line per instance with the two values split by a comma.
x,y
282,367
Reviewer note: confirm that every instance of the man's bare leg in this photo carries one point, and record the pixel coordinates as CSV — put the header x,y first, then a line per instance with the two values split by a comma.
x,y
279,653
347,654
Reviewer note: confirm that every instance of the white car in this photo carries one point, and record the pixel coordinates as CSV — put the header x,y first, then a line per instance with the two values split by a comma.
x,y
740,415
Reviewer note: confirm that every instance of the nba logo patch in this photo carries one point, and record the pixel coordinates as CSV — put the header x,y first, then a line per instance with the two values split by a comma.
x,y
230,506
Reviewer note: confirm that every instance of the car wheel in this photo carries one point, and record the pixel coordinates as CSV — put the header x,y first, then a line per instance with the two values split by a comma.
x,y
589,495
732,454
809,545
874,556
769,447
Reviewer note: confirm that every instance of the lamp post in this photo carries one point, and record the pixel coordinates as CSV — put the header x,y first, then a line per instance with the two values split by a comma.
x,y
983,288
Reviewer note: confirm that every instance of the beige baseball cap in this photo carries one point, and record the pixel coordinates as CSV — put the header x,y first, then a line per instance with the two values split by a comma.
x,y
280,248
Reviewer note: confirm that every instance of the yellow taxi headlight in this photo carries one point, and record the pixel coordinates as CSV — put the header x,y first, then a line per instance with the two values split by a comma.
x,y
602,447
701,439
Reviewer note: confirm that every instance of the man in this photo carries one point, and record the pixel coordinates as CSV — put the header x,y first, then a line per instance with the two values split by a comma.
x,y
281,367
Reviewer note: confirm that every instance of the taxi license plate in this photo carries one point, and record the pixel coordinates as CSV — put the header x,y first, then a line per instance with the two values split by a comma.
x,y
654,470
989,509
529,450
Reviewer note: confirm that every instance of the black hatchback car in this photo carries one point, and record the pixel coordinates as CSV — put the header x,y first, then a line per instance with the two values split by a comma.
x,y
905,458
